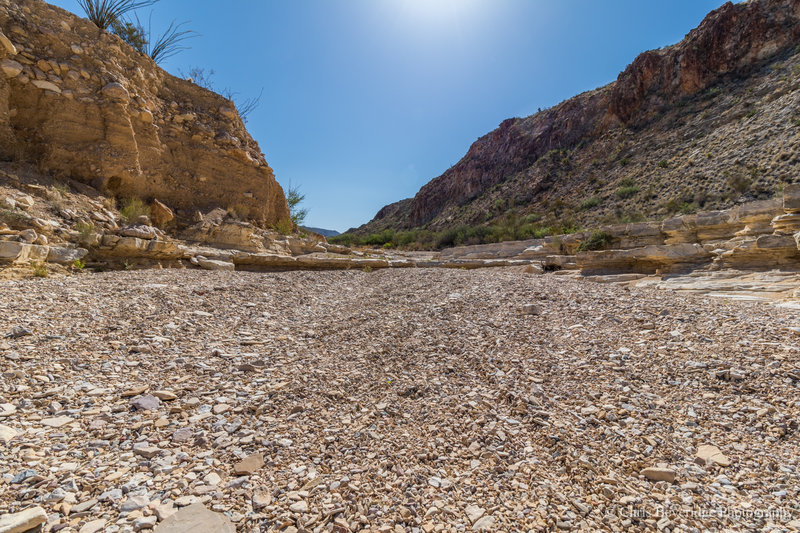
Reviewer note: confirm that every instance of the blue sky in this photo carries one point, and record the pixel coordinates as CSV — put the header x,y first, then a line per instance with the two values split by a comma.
x,y
365,101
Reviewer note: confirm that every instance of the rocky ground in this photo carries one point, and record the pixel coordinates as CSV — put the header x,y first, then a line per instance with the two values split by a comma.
x,y
399,400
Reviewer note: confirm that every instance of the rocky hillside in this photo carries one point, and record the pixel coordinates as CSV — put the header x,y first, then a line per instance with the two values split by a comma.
x,y
708,123
82,105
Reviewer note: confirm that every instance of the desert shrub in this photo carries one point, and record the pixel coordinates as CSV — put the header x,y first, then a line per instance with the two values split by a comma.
x,y
739,183
133,34
78,264
627,191
40,270
598,240
625,161
239,211
663,163
84,229
284,227
133,208
589,203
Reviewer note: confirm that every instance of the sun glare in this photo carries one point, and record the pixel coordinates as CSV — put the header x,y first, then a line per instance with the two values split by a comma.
x,y
439,11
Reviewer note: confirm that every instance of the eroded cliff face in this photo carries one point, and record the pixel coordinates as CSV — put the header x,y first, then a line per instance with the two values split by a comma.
x,y
84,105
732,41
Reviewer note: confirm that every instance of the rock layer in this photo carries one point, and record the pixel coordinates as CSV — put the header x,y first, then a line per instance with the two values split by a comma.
x,y
84,105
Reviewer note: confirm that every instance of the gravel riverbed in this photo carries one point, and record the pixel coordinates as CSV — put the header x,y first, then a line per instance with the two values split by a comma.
x,y
396,401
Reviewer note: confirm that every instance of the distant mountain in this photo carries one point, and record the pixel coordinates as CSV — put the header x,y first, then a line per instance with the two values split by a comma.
x,y
704,124
323,232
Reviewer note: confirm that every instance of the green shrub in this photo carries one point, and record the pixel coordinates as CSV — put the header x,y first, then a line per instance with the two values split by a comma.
x,y
598,240
78,264
84,229
663,163
284,227
589,203
40,270
132,209
627,192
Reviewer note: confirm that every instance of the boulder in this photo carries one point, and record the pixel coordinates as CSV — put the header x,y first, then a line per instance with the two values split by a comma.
x,y
116,91
161,214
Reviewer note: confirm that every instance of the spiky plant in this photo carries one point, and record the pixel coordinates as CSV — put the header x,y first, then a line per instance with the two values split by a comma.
x,y
104,12
169,43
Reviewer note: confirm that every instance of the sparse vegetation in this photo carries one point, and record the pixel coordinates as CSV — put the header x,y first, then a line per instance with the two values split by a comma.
x,y
511,228
40,270
84,229
284,227
598,240
103,13
589,203
239,211
132,209
627,191
78,265
294,198
205,78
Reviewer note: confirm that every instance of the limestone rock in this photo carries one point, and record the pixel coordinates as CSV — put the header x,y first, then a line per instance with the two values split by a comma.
x,y
65,256
139,231
196,518
7,434
249,465
708,454
659,474
161,214
47,86
7,45
116,91
22,521
214,264
11,68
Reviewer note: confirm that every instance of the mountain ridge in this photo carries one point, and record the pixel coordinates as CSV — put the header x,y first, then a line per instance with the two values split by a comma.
x,y
733,43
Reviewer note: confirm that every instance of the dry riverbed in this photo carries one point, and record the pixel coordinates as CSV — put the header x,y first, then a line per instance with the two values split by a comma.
x,y
400,400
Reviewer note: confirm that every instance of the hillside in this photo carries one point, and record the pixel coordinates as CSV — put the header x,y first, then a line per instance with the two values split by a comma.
x,y
708,123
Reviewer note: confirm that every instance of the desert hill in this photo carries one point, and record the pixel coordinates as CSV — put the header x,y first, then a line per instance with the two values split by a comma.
x,y
708,123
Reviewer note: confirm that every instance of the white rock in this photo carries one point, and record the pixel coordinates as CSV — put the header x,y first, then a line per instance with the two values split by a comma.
x,y
7,434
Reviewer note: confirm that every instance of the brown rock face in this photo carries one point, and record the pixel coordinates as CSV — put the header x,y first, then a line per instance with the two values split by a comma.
x,y
731,41
89,107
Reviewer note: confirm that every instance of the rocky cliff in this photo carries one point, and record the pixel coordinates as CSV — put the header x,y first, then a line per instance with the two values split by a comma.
x,y
83,105
706,123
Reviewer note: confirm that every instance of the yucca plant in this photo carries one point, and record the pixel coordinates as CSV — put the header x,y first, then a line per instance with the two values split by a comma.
x,y
169,43
105,12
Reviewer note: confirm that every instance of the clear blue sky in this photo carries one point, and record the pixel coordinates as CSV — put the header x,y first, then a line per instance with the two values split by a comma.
x,y
365,101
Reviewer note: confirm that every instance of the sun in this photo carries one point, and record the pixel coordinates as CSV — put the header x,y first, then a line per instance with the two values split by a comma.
x,y
439,11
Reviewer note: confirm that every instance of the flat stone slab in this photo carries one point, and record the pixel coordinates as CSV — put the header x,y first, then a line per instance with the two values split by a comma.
x,y
196,519
22,521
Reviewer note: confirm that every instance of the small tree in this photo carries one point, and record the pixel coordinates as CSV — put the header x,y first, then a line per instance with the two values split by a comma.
x,y
294,199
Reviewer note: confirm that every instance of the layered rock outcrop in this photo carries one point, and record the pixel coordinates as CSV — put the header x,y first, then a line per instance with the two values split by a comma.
x,y
645,128
755,236
84,105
